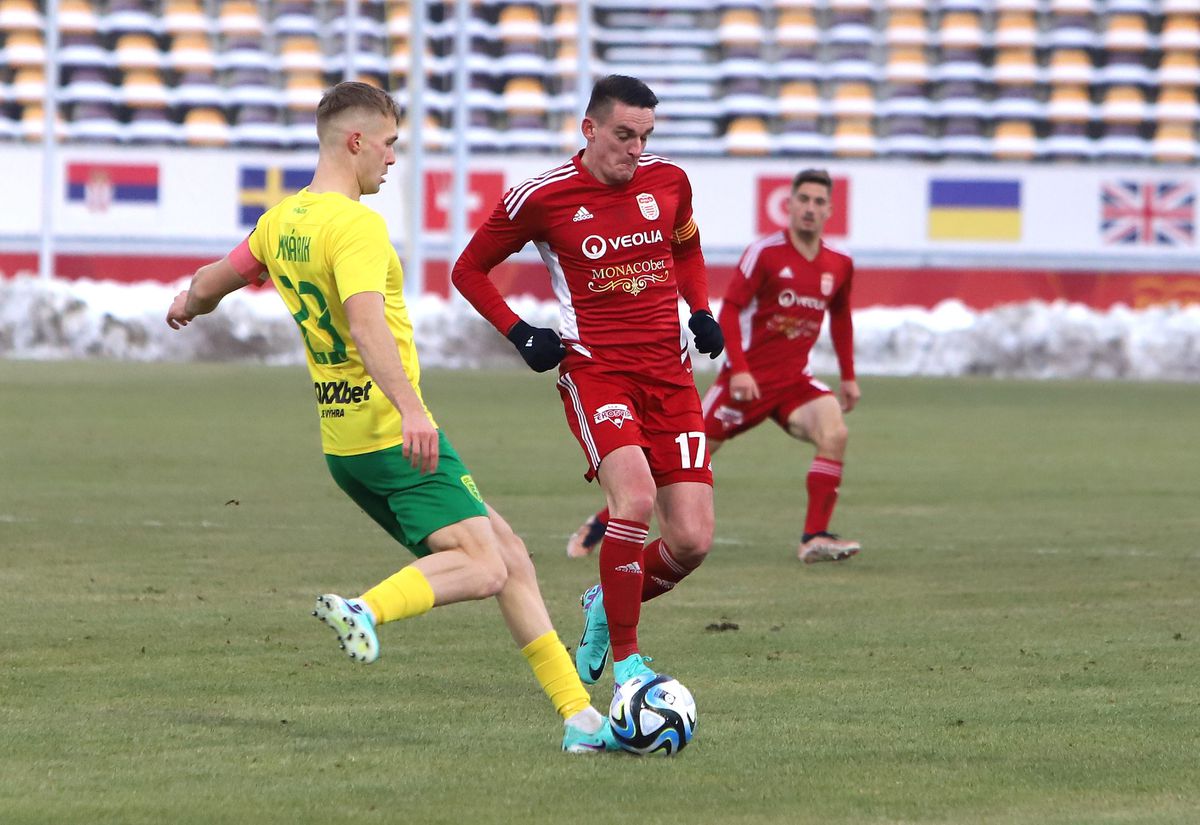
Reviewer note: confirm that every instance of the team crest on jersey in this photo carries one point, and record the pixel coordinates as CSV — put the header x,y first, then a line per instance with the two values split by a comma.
x,y
618,414
826,284
729,417
648,205
469,483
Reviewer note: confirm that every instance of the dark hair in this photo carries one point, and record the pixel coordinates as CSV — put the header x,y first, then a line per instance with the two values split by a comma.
x,y
354,95
614,87
812,176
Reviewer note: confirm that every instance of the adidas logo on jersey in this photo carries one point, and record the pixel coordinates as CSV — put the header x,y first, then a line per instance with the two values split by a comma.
x,y
786,272
632,567
582,215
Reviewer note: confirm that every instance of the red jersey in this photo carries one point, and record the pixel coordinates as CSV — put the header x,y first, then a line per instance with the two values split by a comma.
x,y
775,305
619,257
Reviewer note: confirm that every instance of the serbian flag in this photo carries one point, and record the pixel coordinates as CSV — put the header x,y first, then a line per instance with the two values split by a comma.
x,y
99,185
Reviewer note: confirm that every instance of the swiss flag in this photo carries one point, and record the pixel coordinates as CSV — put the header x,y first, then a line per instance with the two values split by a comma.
x,y
773,194
483,191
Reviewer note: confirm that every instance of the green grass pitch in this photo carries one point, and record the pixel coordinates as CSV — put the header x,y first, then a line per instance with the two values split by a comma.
x,y
1019,641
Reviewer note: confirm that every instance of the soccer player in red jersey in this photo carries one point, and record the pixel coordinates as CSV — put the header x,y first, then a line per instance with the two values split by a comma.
x,y
771,316
614,227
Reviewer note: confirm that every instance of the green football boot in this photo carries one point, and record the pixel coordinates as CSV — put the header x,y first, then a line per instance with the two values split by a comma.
x,y
592,654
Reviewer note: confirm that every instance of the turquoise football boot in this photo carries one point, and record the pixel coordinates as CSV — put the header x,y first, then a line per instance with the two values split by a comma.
x,y
592,654
353,627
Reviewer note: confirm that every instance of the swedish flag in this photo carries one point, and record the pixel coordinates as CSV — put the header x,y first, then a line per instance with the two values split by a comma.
x,y
261,187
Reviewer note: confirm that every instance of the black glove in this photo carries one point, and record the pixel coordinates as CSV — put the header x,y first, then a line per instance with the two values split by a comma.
x,y
541,348
709,338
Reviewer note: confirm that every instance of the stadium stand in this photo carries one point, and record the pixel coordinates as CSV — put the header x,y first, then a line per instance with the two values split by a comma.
x,y
986,79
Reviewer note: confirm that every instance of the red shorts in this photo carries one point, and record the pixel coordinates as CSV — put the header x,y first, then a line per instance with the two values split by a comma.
x,y
724,418
607,410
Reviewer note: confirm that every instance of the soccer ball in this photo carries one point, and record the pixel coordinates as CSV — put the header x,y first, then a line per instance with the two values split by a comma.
x,y
653,715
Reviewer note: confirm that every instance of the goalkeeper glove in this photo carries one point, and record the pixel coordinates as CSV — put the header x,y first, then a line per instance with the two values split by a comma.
x,y
709,338
541,348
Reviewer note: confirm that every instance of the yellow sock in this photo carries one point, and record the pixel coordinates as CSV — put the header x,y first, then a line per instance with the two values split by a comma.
x,y
402,596
555,672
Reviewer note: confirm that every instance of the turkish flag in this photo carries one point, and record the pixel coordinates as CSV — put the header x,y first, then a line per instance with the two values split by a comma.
x,y
773,194
483,192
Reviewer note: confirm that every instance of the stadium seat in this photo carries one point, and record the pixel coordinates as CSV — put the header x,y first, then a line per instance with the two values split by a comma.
x,y
33,124
1070,67
1015,29
150,125
302,130
95,122
1003,6
1122,143
131,17
240,17
852,100
1068,141
741,27
1017,102
1126,33
1015,66
747,136
960,30
206,127
1124,68
302,91
796,32
137,51
251,86
191,51
259,126
799,99
300,52
88,84
144,87
1181,32
906,65
907,101
1069,104
520,24
800,136
907,137
1124,105
963,138
1180,67
19,16
246,51
525,96
1069,30
84,50
961,99
197,87
745,97
28,85
78,17
1015,140
1177,105
906,27
23,49
399,20
853,138
1175,143
296,17
185,17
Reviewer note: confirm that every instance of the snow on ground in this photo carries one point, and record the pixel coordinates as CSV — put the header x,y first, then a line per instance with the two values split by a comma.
x,y
84,319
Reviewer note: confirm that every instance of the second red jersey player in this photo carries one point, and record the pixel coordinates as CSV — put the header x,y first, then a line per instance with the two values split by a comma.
x,y
614,227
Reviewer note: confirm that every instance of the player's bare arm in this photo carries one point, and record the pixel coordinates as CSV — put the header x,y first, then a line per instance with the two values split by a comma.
x,y
377,347
210,284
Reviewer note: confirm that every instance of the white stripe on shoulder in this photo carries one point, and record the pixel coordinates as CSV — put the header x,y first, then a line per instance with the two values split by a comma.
x,y
750,257
647,160
835,249
517,190
515,205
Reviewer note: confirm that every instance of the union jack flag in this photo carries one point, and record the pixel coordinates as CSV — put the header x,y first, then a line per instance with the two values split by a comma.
x,y
1161,213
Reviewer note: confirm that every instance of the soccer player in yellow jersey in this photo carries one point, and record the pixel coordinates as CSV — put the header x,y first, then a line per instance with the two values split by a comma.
x,y
332,262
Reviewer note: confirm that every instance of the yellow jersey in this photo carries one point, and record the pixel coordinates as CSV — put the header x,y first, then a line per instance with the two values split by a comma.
x,y
320,249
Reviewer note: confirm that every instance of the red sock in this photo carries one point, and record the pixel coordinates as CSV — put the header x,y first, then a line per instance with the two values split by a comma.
x,y
824,477
663,570
621,580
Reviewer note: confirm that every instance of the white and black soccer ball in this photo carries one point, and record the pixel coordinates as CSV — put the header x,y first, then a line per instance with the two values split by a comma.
x,y
653,715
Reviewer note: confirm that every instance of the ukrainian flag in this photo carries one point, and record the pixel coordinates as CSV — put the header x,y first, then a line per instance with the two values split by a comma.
x,y
974,210
261,187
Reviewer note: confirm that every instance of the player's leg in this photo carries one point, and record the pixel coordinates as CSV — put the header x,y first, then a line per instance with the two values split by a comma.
x,y
625,476
587,538
524,611
685,517
820,422
440,517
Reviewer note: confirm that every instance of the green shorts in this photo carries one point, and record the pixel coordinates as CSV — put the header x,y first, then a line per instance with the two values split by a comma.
x,y
408,504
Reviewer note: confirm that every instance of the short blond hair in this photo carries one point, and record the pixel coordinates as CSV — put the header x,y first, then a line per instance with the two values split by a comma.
x,y
354,95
